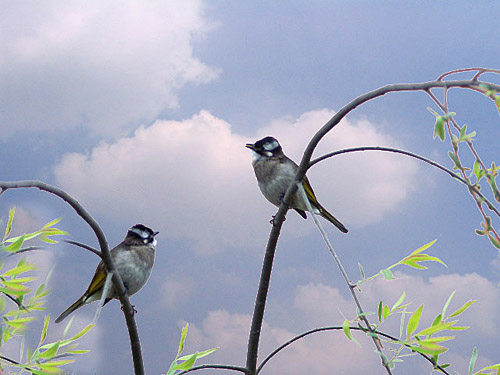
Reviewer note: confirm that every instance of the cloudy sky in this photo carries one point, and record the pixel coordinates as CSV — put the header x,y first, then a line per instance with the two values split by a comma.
x,y
141,111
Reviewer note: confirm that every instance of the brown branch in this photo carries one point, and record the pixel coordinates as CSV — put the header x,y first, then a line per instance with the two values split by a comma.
x,y
128,310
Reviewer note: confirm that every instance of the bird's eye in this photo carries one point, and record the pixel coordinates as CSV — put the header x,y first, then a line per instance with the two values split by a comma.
x,y
270,146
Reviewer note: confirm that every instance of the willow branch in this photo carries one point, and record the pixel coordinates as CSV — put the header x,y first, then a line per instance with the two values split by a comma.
x,y
338,328
128,310
415,156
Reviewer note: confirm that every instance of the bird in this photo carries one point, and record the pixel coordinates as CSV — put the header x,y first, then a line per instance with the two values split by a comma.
x,y
133,259
275,172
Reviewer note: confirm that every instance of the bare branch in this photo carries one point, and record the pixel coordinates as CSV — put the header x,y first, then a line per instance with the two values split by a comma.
x,y
413,155
128,310
84,246
220,367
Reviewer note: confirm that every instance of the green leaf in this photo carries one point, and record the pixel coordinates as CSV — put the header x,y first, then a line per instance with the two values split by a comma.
x,y
439,128
347,329
387,274
445,307
379,312
183,338
43,336
399,301
20,268
9,222
362,271
51,351
436,328
465,306
386,312
414,321
456,161
15,245
187,364
472,361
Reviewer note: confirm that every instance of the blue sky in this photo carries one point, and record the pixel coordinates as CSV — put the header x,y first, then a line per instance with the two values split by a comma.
x,y
142,110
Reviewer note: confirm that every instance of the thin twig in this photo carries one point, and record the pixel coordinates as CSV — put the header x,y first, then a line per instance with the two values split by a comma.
x,y
85,246
349,283
338,328
128,309
26,249
219,367
413,155
15,300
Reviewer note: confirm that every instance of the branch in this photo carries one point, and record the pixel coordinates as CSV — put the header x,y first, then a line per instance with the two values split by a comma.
x,y
260,301
338,328
413,155
84,246
220,367
128,310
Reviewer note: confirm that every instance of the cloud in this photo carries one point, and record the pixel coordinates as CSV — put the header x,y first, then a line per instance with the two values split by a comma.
x,y
103,65
193,179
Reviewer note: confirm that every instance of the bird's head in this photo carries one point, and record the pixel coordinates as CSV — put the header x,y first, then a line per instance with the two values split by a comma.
x,y
142,233
265,147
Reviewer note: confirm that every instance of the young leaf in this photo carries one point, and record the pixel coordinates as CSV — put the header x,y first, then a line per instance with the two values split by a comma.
x,y
439,128
347,329
472,361
445,307
414,321
399,301
463,308
387,274
9,222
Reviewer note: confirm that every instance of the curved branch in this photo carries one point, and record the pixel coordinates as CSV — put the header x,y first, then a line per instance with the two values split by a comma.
x,y
128,310
415,156
84,246
338,328
220,367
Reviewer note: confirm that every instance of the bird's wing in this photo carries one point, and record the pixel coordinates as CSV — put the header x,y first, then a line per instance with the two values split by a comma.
x,y
309,192
98,280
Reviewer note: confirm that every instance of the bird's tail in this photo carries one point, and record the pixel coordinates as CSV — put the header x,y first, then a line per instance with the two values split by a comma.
x,y
332,219
70,309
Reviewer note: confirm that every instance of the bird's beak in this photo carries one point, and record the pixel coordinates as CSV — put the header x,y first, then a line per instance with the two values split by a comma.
x,y
251,146
155,233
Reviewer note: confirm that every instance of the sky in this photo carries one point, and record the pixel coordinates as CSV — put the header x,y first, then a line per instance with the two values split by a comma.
x,y
141,110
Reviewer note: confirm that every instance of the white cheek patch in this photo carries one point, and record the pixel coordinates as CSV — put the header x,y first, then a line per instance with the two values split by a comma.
x,y
141,233
154,242
271,145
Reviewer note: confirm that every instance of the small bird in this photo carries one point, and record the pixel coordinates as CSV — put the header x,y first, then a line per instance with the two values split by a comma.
x,y
133,258
275,172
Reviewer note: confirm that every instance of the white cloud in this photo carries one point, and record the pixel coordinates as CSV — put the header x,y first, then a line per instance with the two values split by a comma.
x,y
193,179
105,65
